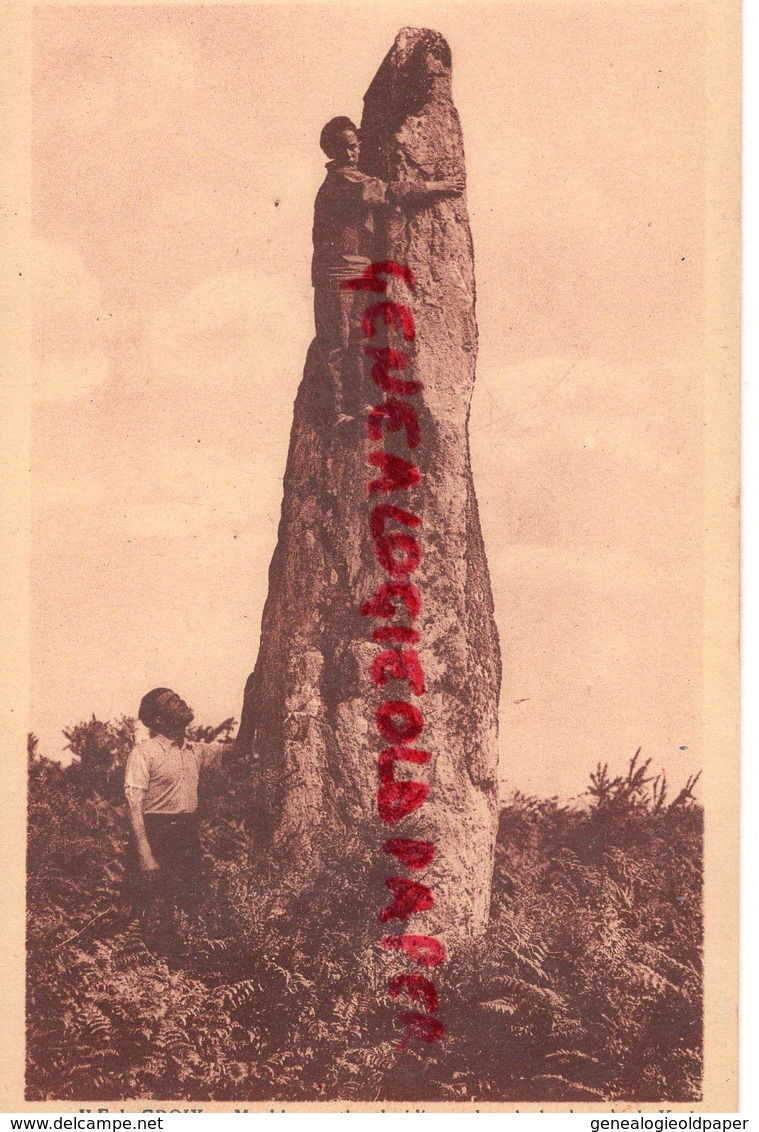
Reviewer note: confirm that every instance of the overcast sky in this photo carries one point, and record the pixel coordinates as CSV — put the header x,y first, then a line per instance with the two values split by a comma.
x,y
175,163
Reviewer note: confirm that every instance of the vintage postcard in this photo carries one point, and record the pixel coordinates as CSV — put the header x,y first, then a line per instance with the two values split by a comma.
x,y
371,469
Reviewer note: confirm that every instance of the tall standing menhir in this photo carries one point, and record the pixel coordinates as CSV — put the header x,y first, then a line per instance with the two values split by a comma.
x,y
309,704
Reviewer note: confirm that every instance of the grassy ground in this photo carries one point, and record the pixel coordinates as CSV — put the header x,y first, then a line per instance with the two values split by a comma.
x,y
586,986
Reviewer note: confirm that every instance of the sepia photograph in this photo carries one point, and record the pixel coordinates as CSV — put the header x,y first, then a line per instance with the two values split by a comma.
x,y
382,579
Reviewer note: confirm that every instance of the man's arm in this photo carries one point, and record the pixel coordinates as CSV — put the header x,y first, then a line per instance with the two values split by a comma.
x,y
219,752
448,187
418,191
135,799
409,183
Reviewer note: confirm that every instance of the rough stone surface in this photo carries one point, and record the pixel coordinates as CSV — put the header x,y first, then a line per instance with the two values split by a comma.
x,y
308,717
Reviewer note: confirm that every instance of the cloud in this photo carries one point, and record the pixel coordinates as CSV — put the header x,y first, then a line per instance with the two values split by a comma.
x,y
237,332
646,415
70,325
233,331
183,414
68,376
161,62
67,294
141,87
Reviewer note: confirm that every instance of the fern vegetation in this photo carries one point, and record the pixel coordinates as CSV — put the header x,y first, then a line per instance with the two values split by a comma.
x,y
586,986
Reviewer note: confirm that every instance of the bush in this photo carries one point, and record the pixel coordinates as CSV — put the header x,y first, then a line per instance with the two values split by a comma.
x,y
586,985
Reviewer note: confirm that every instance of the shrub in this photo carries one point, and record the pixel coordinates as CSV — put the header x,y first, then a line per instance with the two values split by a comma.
x,y
586,985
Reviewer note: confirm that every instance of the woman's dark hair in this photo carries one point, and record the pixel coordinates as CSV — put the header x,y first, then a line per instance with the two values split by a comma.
x,y
329,139
148,705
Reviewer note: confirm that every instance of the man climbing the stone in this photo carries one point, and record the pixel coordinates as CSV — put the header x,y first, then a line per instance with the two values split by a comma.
x,y
344,237
161,786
